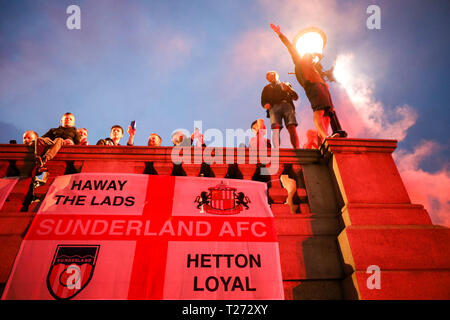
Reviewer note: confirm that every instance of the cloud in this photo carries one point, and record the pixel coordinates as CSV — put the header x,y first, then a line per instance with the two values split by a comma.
x,y
373,118
364,115
171,51
258,50
9,132
253,52
330,15
428,189
360,112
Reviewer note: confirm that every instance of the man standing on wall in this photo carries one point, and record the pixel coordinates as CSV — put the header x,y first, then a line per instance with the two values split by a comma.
x,y
315,88
277,97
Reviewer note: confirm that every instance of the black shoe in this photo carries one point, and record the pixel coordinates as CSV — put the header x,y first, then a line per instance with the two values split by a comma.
x,y
334,135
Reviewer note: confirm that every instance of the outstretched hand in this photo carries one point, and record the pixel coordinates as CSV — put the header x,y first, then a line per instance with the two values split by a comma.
x,y
199,137
275,28
131,131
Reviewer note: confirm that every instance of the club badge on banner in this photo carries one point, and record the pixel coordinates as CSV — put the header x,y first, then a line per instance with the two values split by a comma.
x,y
131,236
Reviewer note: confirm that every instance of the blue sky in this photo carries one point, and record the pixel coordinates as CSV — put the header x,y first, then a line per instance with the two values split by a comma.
x,y
166,64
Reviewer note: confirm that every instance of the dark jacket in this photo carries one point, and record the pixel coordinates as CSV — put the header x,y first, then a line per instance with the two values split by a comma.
x,y
63,133
273,94
106,142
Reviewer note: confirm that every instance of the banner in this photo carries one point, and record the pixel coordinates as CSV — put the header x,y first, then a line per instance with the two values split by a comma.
x,y
131,236
6,185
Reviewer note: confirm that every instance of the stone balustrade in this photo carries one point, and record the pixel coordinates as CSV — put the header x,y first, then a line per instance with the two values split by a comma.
x,y
337,211
295,221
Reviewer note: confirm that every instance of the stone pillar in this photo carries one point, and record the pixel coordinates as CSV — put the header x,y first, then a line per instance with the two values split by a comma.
x,y
390,248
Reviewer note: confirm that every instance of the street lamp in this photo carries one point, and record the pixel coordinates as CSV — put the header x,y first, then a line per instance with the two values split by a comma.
x,y
312,41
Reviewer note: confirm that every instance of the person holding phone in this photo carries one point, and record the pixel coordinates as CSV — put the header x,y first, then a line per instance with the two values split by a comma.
x,y
116,134
131,132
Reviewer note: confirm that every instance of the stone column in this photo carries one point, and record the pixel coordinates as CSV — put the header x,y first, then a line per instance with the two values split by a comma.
x,y
389,246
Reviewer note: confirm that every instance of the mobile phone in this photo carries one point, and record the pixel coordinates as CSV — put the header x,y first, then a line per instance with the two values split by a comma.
x,y
133,124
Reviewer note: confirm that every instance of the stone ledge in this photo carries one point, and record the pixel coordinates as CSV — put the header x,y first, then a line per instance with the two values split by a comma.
x,y
400,285
404,247
385,214
338,145
313,290
296,224
306,257
143,153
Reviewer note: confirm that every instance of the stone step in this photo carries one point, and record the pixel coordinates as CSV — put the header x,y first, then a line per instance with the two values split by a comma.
x,y
399,285
14,223
301,193
313,290
385,214
16,197
278,195
304,208
281,208
308,225
395,247
9,245
306,257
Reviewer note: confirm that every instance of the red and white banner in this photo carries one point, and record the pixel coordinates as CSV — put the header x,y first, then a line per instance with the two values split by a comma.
x,y
130,236
6,185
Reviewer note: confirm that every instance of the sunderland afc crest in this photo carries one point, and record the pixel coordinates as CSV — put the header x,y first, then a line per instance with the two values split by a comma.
x,y
71,270
222,200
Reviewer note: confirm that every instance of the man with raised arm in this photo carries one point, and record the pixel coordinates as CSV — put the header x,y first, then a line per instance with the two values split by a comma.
x,y
315,88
